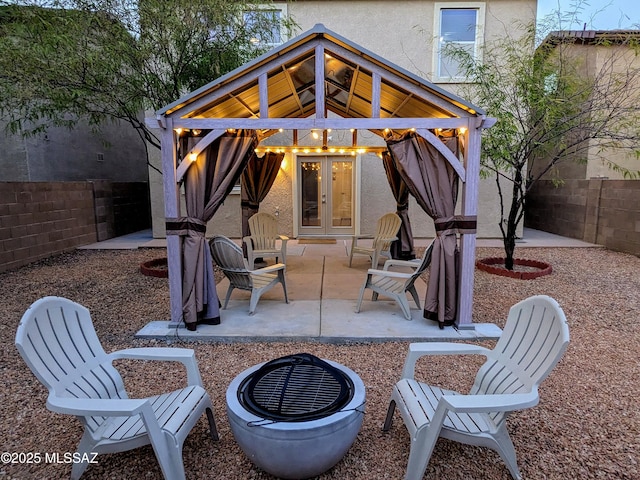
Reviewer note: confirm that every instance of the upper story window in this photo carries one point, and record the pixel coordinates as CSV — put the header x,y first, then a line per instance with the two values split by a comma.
x,y
273,16
457,25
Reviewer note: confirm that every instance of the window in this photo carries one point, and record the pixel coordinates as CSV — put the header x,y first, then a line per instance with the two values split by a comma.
x,y
273,16
458,25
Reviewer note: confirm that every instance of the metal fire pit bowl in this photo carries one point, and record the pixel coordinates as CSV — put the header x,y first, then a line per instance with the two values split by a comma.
x,y
295,449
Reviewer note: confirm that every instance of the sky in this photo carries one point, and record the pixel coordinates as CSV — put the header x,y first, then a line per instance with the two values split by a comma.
x,y
597,14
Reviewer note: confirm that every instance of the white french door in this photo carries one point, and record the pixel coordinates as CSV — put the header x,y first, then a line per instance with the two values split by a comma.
x,y
325,189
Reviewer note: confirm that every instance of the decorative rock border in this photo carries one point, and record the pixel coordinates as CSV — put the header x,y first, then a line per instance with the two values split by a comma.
x,y
155,268
487,265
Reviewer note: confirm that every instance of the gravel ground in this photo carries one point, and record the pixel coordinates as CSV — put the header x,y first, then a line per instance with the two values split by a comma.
x,y
586,425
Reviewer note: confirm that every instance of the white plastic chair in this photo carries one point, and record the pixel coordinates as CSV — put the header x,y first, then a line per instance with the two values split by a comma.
x,y
262,241
534,339
228,256
386,231
57,340
396,284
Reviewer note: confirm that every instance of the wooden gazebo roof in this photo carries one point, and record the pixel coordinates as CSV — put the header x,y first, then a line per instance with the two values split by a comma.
x,y
279,90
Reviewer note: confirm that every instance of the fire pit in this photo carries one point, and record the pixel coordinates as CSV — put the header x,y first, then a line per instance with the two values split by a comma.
x,y
296,416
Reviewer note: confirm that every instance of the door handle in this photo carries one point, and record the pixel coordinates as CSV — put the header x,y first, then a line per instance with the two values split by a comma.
x,y
324,198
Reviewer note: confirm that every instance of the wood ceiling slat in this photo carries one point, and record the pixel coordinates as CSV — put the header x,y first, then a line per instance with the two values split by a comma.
x,y
279,87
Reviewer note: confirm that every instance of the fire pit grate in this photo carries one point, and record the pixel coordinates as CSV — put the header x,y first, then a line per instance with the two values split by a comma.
x,y
298,387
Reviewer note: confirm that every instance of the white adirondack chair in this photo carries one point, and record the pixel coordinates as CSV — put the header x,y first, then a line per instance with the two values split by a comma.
x,y
263,239
395,284
533,341
57,340
386,231
228,256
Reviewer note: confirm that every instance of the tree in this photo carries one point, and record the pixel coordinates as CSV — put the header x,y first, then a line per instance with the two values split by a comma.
x,y
550,111
69,61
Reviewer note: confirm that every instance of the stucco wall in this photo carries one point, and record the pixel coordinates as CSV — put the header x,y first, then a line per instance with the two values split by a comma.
x,y
402,32
599,61
623,59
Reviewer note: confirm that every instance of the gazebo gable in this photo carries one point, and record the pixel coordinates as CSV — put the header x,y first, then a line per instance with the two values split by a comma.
x,y
283,84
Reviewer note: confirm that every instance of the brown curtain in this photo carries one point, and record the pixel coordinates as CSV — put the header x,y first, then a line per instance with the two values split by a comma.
x,y
207,183
434,183
403,247
257,180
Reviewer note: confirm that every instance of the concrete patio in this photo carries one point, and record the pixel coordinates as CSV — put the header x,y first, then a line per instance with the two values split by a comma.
x,y
323,293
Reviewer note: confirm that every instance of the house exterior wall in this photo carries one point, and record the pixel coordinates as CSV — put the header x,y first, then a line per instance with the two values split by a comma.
x,y
56,194
591,60
401,32
600,58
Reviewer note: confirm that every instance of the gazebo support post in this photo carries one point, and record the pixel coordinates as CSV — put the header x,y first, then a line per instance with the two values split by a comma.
x,y
468,240
172,211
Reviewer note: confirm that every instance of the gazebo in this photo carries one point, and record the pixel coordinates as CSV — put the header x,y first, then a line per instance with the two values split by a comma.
x,y
320,81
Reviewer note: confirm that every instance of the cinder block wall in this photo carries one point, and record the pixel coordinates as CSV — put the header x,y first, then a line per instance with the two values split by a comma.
x,y
40,219
131,207
605,212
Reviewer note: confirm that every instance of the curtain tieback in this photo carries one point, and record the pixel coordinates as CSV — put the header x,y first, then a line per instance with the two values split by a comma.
x,y
184,226
458,224
248,204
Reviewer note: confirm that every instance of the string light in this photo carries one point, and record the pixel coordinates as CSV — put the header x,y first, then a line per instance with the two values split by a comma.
x,y
358,150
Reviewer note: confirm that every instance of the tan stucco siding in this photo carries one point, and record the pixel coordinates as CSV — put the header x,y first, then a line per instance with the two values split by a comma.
x,y
624,60
403,32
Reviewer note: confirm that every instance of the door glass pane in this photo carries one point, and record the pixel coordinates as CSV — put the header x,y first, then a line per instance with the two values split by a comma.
x,y
311,191
341,193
